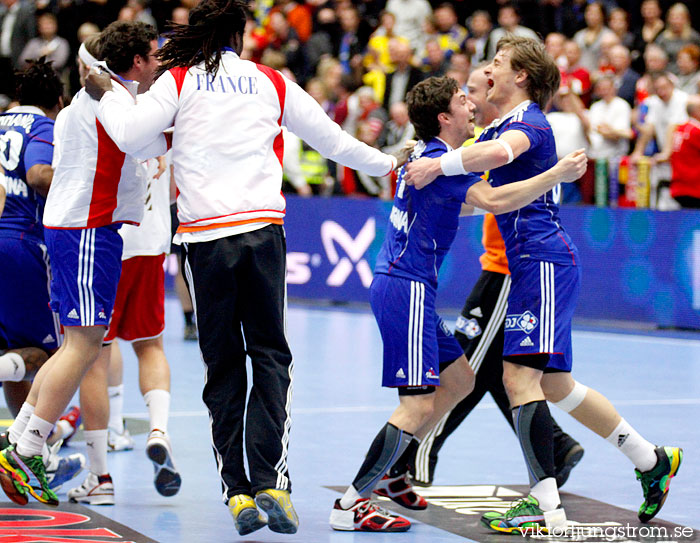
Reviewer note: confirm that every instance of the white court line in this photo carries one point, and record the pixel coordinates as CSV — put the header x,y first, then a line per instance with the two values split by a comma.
x,y
637,338
388,408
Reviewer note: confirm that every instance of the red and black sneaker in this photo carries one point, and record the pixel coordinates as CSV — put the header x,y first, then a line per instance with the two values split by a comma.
x,y
400,490
73,418
366,516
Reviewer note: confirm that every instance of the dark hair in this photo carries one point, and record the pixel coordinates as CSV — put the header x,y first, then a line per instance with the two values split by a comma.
x,y
213,25
121,41
528,54
38,85
426,100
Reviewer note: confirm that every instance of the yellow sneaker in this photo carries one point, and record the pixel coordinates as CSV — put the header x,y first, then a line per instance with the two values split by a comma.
x,y
281,517
246,517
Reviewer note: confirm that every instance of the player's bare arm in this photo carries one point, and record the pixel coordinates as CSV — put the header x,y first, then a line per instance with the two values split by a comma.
x,y
513,196
479,157
39,178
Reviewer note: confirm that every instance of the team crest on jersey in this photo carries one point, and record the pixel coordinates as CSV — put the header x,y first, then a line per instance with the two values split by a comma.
x,y
469,328
525,322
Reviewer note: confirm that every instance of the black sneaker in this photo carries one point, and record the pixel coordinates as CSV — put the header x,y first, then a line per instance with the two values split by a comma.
x,y
656,481
563,467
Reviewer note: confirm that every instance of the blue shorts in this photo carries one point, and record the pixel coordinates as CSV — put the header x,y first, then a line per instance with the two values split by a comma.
x,y
415,338
25,317
541,305
86,265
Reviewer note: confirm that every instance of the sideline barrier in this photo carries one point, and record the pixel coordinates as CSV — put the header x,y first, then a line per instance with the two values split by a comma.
x,y
638,265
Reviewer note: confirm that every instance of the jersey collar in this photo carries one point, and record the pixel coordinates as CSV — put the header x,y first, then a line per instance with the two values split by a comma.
x,y
27,109
520,107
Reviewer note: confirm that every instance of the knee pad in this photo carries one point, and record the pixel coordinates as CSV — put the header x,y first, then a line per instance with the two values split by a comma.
x,y
573,399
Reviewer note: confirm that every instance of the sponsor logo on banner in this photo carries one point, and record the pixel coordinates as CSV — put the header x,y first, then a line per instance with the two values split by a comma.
x,y
525,322
345,253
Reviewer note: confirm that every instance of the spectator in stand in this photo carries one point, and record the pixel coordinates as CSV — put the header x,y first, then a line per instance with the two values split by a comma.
x,y
401,80
459,69
509,23
399,129
410,15
180,15
625,77
298,16
576,76
17,27
378,46
47,44
554,45
590,38
317,90
678,33
352,42
618,22
284,39
610,120
142,12
479,30
435,63
452,35
685,158
655,61
569,123
666,110
652,27
688,61
606,44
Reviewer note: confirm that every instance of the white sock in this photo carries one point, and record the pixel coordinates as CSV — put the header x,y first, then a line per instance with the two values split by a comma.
x,y
96,441
116,407
34,436
15,431
158,403
627,440
350,497
547,493
12,367
66,429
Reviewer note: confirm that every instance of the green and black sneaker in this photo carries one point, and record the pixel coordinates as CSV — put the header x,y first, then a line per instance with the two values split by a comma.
x,y
656,481
524,516
29,473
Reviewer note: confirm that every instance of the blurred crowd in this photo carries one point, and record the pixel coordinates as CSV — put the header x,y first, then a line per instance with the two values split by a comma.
x,y
630,71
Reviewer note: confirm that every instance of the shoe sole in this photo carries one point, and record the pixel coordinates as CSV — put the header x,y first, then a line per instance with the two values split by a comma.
x,y
8,486
166,479
248,521
60,478
97,500
676,461
516,529
572,458
277,519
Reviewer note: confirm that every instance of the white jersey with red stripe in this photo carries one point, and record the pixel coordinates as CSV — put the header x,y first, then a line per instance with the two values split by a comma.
x,y
228,143
152,237
95,183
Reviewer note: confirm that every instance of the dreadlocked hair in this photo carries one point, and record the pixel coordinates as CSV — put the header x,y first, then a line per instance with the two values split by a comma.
x,y
213,24
38,85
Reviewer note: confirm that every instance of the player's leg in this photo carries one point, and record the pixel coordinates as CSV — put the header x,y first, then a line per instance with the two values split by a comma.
x,y
118,436
654,466
263,306
97,488
211,270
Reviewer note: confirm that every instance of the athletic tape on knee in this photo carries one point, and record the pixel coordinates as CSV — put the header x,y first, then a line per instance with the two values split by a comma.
x,y
393,444
573,399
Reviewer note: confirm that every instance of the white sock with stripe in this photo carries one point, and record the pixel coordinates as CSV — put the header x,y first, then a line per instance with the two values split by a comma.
x,y
34,437
116,407
158,403
96,441
14,432
630,443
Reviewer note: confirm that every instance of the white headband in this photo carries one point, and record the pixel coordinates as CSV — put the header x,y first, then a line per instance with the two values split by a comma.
x,y
85,56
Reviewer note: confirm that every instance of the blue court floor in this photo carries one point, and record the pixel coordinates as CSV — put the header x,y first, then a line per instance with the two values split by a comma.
x,y
339,406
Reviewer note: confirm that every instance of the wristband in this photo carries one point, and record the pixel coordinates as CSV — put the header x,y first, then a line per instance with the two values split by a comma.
x,y
451,163
508,149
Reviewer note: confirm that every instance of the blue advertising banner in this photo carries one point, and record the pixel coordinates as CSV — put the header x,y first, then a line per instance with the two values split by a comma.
x,y
638,265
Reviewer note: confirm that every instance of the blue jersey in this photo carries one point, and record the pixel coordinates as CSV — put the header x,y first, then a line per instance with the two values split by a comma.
x,y
423,223
535,231
26,139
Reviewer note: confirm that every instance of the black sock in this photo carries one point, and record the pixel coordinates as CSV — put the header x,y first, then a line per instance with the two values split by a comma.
x,y
406,460
388,445
188,317
533,424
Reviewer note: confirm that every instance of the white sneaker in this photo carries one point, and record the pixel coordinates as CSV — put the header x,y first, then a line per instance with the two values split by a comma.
x,y
166,478
119,442
95,490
